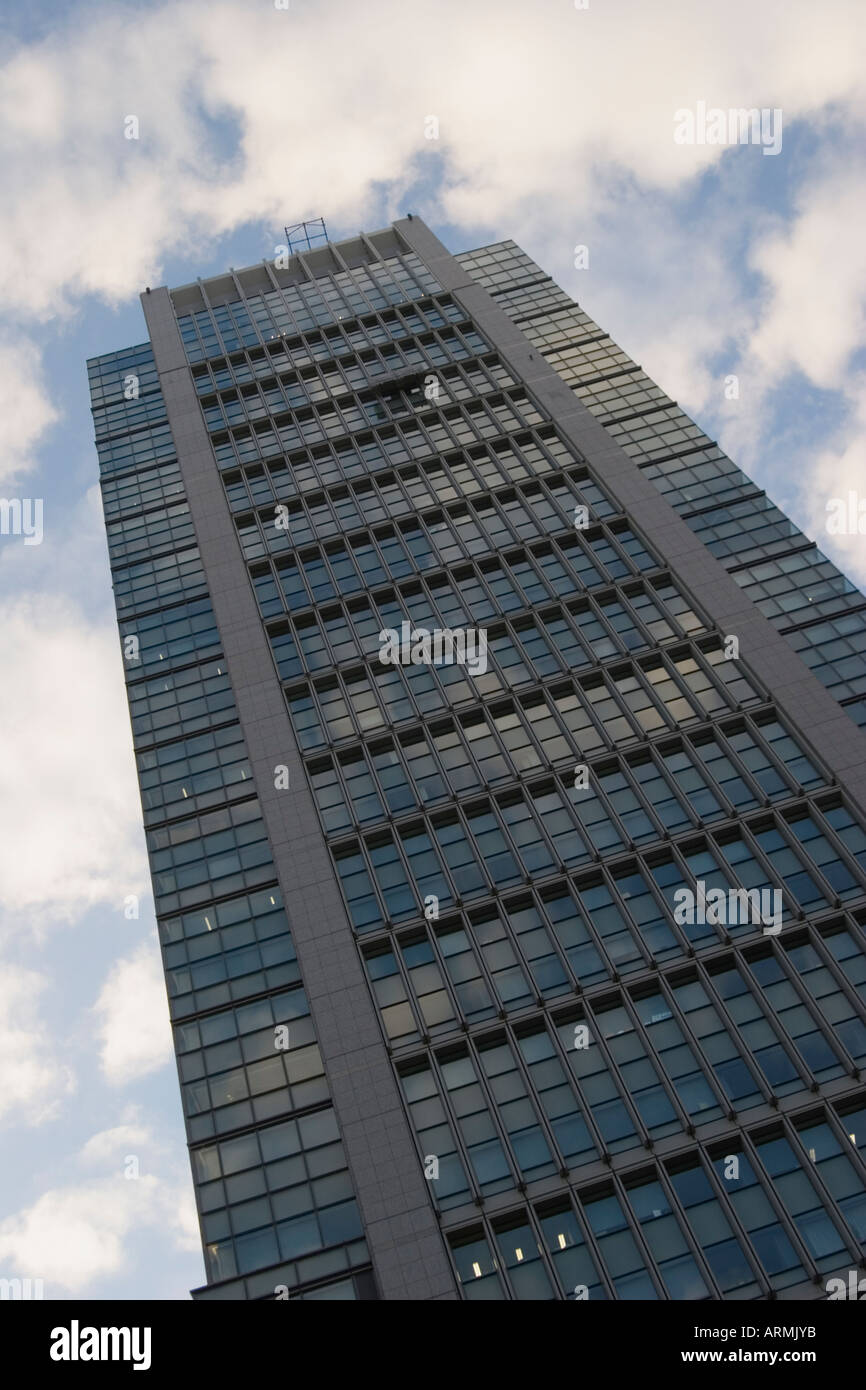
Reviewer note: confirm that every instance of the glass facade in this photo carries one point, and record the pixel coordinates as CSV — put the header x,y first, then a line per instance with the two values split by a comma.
x,y
275,1198
818,610
608,1098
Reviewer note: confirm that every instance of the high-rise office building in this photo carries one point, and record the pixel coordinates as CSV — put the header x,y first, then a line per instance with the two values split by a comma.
x,y
504,794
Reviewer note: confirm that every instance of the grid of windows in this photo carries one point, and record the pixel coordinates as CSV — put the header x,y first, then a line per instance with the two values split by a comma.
x,y
736,521
746,1222
299,308
227,950
726,1036
484,882
455,426
399,375
280,1198
614,705
276,1203
459,529
658,791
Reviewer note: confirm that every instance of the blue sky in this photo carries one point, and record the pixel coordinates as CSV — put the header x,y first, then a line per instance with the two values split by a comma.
x,y
556,129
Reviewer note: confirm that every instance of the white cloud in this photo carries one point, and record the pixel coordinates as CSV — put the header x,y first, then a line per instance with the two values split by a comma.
x,y
815,272
26,409
72,1236
134,1032
839,470
69,822
322,113
110,1145
33,1078
809,327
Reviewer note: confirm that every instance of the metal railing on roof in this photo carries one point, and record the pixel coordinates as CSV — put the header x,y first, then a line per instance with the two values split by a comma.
x,y
305,236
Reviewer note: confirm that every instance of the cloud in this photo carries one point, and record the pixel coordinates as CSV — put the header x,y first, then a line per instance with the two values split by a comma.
x,y
134,1032
839,470
33,1078
814,270
808,326
73,1236
69,822
26,409
264,114
110,1145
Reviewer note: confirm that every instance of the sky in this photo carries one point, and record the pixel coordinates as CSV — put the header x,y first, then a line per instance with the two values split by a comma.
x,y
556,127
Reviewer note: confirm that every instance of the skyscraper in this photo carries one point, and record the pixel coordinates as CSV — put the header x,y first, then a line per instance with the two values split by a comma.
x,y
504,792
